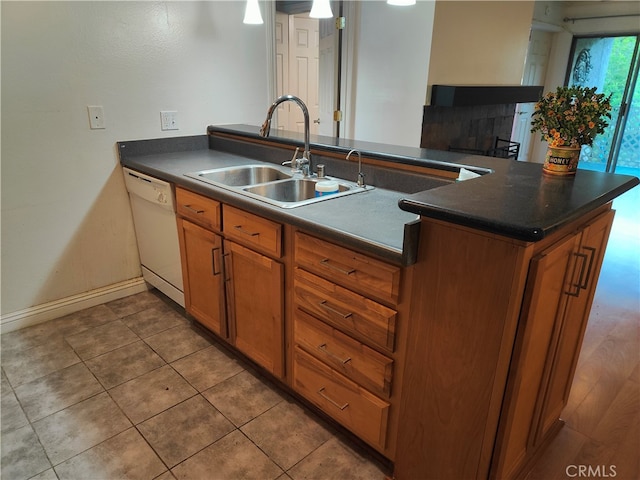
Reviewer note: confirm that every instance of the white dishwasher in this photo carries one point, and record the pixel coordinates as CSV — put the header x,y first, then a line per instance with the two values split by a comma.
x,y
152,205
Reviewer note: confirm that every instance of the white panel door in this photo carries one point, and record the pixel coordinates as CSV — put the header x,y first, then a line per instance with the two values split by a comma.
x,y
535,70
303,70
282,68
327,76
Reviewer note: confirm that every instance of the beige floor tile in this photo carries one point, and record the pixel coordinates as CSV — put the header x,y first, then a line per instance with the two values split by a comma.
x,y
208,367
22,455
154,320
166,476
84,319
286,433
124,363
183,430
26,365
334,459
102,339
46,475
232,457
177,342
125,456
80,427
151,393
243,397
13,416
55,329
134,303
56,391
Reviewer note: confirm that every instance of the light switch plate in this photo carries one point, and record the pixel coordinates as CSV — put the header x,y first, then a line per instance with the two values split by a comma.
x,y
169,120
96,117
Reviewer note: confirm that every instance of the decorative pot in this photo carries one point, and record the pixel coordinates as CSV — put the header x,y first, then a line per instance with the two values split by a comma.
x,y
561,160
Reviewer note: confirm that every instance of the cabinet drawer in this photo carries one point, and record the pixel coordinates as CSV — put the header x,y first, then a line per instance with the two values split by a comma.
x,y
344,354
367,320
355,408
253,231
348,268
201,210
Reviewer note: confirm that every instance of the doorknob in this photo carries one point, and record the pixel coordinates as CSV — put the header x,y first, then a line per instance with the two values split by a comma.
x,y
317,121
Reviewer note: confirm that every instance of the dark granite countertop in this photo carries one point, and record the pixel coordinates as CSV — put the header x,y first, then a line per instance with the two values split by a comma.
x,y
510,198
370,221
515,198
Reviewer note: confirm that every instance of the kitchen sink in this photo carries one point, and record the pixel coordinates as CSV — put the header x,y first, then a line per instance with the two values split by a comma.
x,y
297,191
241,176
273,185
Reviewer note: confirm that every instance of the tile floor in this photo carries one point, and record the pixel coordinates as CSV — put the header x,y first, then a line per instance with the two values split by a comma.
x,y
130,389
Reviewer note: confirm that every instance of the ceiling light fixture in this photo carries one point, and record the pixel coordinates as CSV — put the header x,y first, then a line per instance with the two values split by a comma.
x,y
401,3
252,15
321,9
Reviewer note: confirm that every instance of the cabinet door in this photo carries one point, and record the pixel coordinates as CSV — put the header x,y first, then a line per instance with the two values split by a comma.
x,y
588,259
256,306
545,302
201,252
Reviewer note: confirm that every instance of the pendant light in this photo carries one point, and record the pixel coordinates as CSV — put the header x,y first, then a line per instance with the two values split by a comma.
x,y
401,3
252,13
321,9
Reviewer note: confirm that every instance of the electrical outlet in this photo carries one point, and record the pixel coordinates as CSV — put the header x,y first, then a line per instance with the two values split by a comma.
x,y
169,120
96,117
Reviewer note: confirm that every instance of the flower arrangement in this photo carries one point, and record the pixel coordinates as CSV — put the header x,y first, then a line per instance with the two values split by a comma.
x,y
571,116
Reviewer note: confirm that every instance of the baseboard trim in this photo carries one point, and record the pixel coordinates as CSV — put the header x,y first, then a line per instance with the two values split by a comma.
x,y
64,306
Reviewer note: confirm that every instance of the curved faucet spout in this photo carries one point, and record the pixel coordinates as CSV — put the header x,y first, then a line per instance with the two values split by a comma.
x,y
266,126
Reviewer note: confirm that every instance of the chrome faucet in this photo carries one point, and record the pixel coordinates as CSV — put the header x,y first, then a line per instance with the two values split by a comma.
x,y
360,180
297,164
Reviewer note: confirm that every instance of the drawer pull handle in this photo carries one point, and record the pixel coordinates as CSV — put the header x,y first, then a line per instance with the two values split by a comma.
x,y
332,401
194,210
325,262
323,349
242,230
331,309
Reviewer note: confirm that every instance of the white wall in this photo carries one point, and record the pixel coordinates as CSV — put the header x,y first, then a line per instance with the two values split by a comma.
x,y
480,43
392,52
66,222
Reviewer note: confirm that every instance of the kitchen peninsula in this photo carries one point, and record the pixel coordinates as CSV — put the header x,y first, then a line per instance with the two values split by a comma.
x,y
438,320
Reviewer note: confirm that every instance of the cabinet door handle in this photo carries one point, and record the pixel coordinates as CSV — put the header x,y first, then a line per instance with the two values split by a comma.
x,y
592,251
194,210
226,257
323,349
242,230
214,255
325,262
578,286
332,401
328,307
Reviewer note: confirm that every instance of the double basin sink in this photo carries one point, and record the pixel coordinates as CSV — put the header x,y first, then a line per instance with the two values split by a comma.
x,y
273,185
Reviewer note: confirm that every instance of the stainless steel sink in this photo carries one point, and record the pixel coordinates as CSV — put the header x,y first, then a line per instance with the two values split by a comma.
x,y
298,191
241,176
273,185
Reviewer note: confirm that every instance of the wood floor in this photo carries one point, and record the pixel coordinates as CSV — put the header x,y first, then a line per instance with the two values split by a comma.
x,y
601,437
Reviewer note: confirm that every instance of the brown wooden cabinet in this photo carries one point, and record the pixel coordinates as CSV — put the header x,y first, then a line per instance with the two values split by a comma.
x,y
234,288
344,332
201,253
558,299
495,333
256,306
